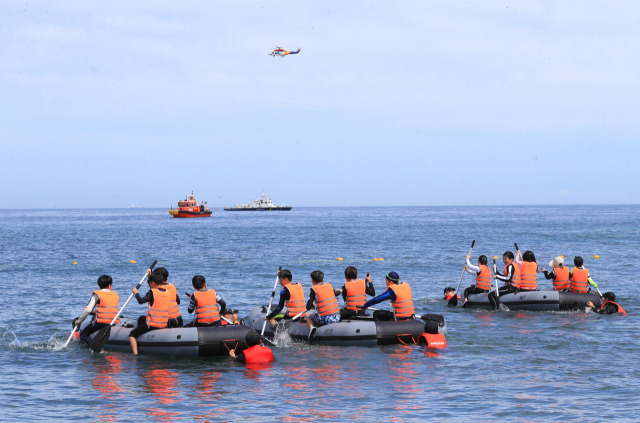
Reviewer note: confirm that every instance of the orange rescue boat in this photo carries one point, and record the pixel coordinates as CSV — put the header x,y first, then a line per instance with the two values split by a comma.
x,y
189,208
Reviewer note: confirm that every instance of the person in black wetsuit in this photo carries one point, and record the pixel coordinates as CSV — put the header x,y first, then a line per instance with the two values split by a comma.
x,y
510,279
609,305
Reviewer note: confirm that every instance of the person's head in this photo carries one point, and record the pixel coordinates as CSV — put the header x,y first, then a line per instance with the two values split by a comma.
x,y
350,273
164,272
155,280
557,262
285,276
198,282
507,257
228,313
528,256
392,277
482,260
449,292
317,276
609,296
578,261
252,338
105,282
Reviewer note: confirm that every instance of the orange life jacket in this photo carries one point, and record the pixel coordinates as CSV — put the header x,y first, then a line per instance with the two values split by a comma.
x,y
355,294
174,310
258,354
107,306
483,280
296,303
561,282
448,297
579,280
158,313
326,302
528,277
206,306
403,305
515,278
620,309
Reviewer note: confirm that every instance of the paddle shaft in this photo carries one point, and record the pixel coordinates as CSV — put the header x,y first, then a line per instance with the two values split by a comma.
x,y
273,294
461,276
75,328
131,296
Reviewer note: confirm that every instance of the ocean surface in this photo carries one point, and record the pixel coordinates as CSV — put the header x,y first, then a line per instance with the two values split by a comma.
x,y
499,365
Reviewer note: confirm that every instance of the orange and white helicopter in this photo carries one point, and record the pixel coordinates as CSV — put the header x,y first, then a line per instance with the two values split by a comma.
x,y
279,51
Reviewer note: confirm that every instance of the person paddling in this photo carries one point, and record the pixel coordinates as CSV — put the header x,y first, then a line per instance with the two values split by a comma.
x,y
175,319
609,305
483,277
322,296
157,299
292,295
510,277
399,293
103,305
354,292
559,274
256,353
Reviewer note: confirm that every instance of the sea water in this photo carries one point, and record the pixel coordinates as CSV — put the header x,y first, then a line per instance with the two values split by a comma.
x,y
517,366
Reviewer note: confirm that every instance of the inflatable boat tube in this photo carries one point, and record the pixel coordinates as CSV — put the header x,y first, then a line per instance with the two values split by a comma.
x,y
189,341
544,300
360,331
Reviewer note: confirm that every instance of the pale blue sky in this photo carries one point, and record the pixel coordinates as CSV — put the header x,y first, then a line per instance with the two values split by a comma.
x,y
388,103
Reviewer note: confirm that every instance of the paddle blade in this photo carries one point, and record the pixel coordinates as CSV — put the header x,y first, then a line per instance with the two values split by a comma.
x,y
267,341
100,339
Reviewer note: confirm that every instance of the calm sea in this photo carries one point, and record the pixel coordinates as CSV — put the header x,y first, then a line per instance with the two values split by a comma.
x,y
512,366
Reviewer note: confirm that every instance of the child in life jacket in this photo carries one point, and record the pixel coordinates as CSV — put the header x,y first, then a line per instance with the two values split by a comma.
x,y
609,305
451,296
255,353
103,305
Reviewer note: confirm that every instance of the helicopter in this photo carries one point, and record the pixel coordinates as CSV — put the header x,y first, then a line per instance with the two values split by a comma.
x,y
279,51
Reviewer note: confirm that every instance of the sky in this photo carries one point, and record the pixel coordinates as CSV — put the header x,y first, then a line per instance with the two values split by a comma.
x,y
407,103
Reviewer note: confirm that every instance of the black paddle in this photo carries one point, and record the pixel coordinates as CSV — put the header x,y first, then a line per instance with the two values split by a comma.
x,y
103,334
454,300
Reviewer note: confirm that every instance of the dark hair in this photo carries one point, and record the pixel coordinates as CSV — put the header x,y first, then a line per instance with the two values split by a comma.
x,y
508,255
104,281
198,281
252,338
317,276
351,273
578,261
609,296
155,278
482,259
162,271
285,274
449,288
528,256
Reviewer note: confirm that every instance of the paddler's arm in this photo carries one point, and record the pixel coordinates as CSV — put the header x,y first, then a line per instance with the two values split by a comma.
x,y
148,297
369,289
311,300
344,292
284,297
87,310
471,268
222,303
192,303
386,295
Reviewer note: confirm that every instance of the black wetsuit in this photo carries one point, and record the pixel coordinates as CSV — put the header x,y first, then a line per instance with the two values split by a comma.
x,y
508,288
608,309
